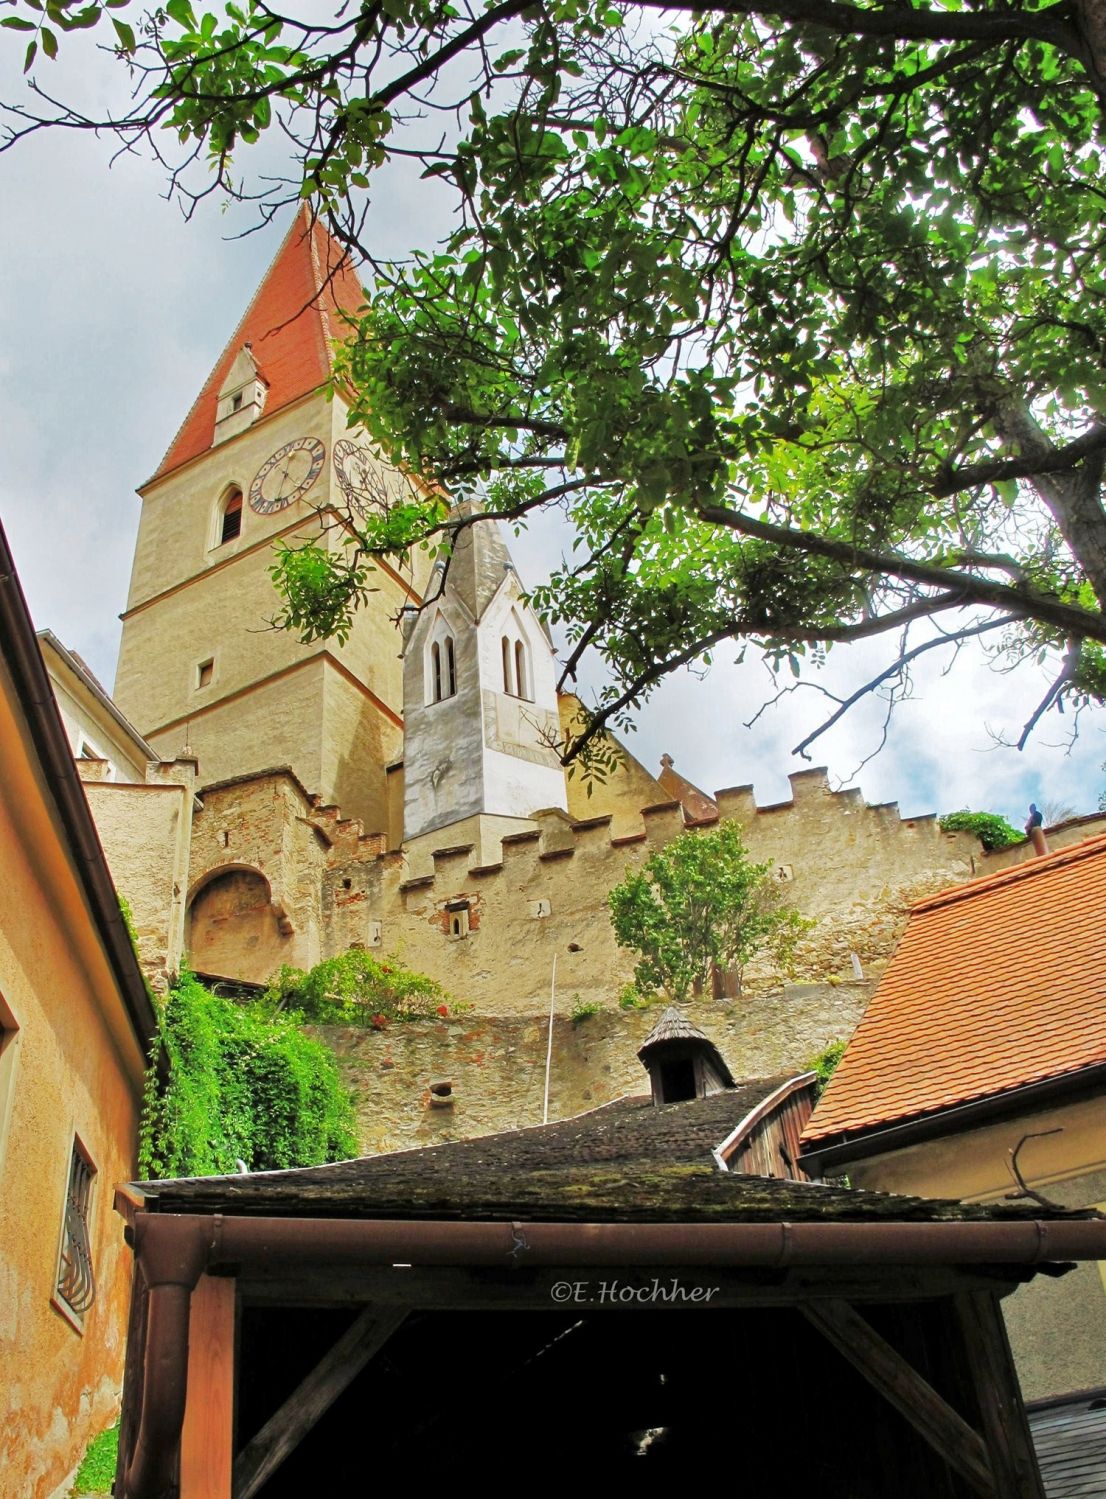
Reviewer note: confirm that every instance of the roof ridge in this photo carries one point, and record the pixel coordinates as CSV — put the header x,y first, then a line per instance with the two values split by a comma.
x,y
1028,869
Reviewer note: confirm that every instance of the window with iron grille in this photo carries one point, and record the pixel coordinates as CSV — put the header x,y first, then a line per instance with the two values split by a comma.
x,y
76,1282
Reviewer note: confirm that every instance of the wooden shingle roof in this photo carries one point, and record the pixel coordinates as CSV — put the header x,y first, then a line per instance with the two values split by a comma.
x,y
626,1162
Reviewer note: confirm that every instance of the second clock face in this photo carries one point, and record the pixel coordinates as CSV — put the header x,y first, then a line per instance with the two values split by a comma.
x,y
287,475
358,476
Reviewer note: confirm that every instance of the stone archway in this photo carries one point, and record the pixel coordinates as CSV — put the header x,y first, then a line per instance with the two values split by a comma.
x,y
234,929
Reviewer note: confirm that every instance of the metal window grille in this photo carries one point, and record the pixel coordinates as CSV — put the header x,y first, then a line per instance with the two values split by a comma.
x,y
76,1282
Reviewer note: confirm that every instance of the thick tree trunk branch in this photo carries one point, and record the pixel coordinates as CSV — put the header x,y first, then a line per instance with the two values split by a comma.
x,y
1053,461
1051,23
1090,25
1072,497
1019,602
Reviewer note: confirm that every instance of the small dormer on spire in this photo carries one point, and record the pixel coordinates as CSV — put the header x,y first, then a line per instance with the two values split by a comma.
x,y
241,398
681,1061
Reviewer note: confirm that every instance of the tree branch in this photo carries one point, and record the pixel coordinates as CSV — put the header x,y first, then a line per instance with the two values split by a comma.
x,y
1018,601
1051,23
1058,460
896,666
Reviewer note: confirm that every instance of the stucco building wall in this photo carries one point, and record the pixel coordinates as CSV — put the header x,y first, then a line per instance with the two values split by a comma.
x,y
1057,1326
70,1065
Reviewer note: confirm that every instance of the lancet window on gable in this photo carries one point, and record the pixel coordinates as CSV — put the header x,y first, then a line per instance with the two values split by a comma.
x,y
441,673
516,665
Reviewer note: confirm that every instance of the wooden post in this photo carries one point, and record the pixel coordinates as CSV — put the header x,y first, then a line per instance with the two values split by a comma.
x,y
903,1387
207,1438
995,1383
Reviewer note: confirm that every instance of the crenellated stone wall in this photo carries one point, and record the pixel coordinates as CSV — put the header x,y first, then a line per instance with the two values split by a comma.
x,y
277,877
852,868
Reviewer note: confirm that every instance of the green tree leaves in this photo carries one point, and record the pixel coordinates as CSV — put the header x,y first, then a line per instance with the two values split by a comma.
x,y
699,903
799,313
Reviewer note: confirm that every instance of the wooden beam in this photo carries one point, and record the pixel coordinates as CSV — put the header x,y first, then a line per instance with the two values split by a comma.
x,y
454,1289
131,1413
315,1394
207,1437
995,1381
902,1386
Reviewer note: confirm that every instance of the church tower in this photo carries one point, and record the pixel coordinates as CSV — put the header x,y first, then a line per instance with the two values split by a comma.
x,y
263,457
480,701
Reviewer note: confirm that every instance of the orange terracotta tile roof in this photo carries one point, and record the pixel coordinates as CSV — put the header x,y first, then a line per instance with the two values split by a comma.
x,y
996,983
697,805
291,324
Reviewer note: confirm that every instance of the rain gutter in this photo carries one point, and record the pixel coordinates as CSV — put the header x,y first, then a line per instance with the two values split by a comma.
x,y
824,1156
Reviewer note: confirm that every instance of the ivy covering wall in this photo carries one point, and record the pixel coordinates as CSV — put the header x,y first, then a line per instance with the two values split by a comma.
x,y
244,1084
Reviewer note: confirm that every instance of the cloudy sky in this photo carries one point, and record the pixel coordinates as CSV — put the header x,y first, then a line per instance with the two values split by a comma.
x,y
113,310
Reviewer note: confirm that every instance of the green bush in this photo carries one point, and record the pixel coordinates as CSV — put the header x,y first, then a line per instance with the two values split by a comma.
x,y
825,1063
992,830
357,988
631,998
584,1009
245,1084
97,1471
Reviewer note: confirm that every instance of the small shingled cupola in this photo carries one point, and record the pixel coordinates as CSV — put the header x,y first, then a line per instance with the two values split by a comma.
x,y
681,1061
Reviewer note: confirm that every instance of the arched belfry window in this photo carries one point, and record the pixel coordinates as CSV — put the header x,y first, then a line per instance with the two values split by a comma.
x,y
443,669
522,686
508,679
230,521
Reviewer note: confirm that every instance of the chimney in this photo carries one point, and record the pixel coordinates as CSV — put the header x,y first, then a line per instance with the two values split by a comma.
x,y
1035,832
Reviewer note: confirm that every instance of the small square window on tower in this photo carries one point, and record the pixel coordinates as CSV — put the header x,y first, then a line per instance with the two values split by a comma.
x,y
75,1287
204,672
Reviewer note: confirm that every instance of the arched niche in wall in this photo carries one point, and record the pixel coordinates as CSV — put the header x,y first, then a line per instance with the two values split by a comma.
x,y
234,930
514,649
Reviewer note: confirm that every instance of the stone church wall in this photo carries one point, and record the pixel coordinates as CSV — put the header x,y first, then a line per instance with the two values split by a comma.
x,y
496,1063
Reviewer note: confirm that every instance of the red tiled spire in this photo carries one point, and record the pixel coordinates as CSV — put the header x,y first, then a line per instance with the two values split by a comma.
x,y
291,323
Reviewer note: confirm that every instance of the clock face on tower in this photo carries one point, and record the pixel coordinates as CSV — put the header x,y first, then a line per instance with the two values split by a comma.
x,y
287,475
358,476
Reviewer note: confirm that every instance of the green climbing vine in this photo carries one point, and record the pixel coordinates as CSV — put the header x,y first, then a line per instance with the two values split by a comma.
x,y
244,1084
992,830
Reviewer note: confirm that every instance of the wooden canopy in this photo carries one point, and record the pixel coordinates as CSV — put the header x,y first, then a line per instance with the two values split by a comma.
x,y
328,1326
